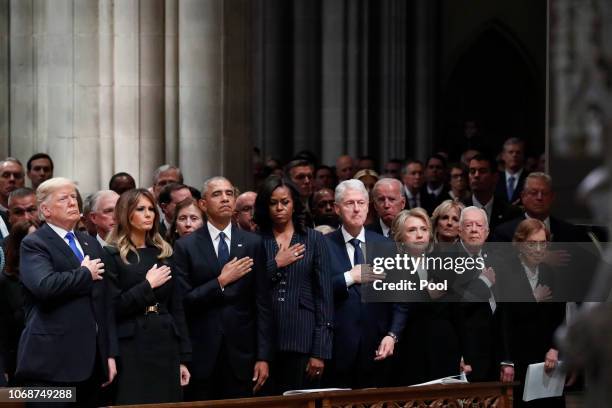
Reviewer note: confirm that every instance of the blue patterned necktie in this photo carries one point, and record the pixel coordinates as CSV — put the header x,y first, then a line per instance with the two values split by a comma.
x,y
510,188
71,241
358,258
223,251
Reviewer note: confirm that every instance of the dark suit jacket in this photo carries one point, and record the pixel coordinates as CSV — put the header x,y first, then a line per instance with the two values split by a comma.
x,y
427,201
240,316
302,297
68,316
500,213
357,322
375,227
501,190
479,328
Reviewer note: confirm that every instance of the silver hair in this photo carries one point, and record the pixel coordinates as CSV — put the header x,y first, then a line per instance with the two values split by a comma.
x,y
164,168
513,141
95,198
387,180
540,176
473,208
352,184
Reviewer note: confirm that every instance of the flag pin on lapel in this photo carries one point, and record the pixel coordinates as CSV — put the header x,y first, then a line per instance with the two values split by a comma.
x,y
239,245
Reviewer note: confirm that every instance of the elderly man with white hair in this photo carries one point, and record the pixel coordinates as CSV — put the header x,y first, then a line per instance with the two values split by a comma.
x,y
364,333
388,202
102,213
69,336
481,327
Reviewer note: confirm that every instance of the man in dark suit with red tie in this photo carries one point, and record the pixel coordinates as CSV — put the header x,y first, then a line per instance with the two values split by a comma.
x,y
69,336
227,301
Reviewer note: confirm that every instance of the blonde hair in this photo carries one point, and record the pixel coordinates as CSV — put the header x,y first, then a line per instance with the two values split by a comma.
x,y
120,234
397,226
444,208
47,188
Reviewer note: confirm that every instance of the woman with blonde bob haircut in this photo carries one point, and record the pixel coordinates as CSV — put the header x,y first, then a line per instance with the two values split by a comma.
x,y
153,341
417,234
445,221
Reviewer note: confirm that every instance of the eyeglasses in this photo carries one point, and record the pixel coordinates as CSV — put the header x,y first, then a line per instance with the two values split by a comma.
x,y
536,245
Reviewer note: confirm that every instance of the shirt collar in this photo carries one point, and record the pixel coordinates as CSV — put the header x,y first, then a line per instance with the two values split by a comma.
x,y
384,228
59,230
348,237
479,254
214,232
516,175
436,191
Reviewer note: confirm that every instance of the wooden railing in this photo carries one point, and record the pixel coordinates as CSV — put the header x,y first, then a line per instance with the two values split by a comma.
x,y
475,395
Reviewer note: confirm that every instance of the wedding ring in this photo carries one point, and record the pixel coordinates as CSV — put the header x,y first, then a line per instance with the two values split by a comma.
x,y
296,254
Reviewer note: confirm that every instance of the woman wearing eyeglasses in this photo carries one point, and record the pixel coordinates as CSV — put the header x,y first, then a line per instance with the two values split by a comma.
x,y
527,286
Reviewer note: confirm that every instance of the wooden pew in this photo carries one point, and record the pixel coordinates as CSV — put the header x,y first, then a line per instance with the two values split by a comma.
x,y
481,395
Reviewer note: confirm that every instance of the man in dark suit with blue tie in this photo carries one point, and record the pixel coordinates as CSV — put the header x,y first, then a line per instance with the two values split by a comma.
x,y
69,336
365,333
227,301
512,180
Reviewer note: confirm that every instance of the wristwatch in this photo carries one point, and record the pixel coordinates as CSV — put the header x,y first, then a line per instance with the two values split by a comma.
x,y
393,336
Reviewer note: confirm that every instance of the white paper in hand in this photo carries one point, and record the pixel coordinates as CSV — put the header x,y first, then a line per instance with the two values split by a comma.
x,y
539,384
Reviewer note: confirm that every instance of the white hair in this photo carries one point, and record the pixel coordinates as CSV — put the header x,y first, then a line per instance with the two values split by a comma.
x,y
94,200
389,181
473,208
352,184
538,175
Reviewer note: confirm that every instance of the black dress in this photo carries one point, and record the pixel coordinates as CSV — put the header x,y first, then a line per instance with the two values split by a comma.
x,y
11,322
151,345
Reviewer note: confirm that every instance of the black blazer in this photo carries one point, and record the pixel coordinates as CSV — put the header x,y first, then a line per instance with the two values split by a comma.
x,y
356,322
501,189
68,316
240,315
302,297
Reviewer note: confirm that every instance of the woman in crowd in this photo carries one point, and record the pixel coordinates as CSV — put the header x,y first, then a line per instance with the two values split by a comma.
x,y
532,317
368,178
153,341
188,217
11,297
445,221
436,348
301,286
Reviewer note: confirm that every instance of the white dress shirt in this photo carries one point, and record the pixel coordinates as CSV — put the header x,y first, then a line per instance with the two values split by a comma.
x,y
214,236
350,250
62,233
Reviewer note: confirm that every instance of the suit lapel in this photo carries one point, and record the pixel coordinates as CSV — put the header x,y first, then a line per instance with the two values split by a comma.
x,y
59,244
87,250
209,249
341,246
237,245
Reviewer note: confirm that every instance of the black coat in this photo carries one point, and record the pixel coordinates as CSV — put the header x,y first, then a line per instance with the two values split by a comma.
x,y
68,316
240,315
151,345
11,321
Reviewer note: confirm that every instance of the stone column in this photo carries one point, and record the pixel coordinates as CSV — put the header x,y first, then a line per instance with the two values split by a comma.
x,y
4,77
201,147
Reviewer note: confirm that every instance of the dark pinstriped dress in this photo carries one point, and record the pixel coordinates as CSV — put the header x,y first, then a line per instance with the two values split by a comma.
x,y
302,305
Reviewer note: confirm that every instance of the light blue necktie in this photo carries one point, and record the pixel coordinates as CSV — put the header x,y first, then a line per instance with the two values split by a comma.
x,y
70,237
